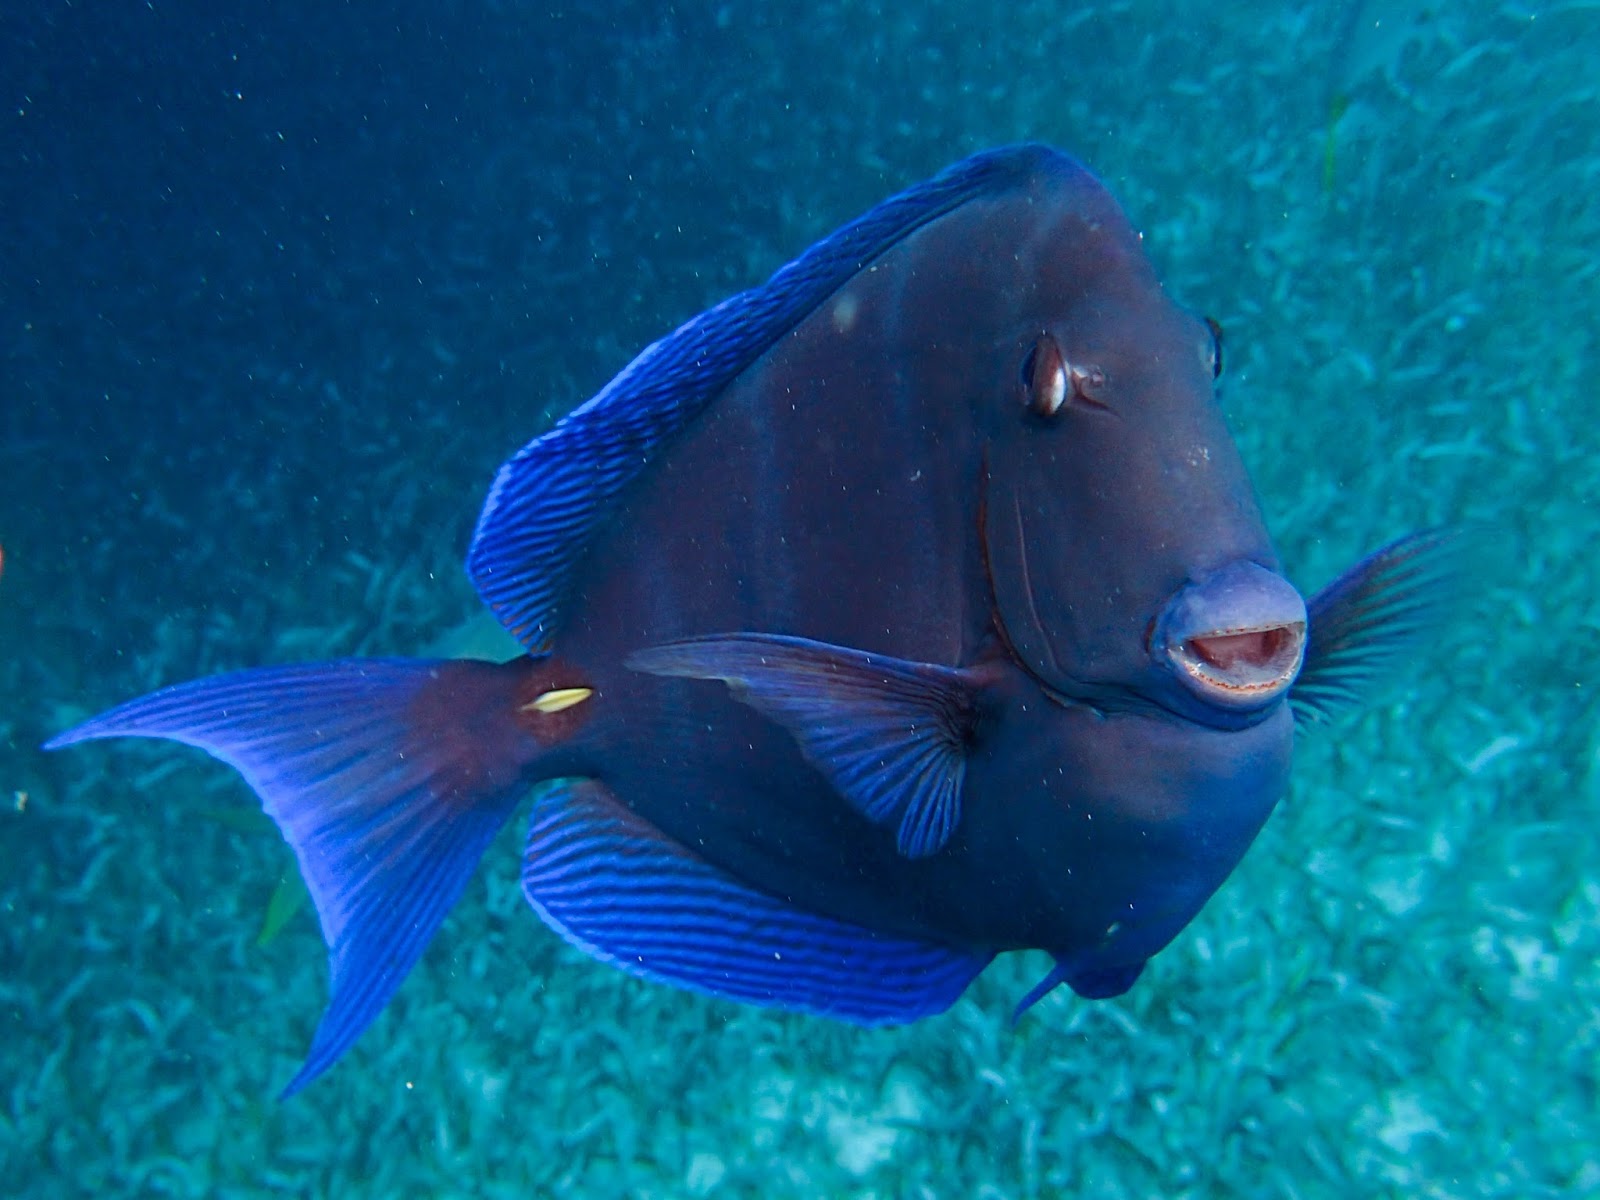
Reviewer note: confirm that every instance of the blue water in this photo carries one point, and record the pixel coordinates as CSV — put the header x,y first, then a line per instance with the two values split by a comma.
x,y
280,285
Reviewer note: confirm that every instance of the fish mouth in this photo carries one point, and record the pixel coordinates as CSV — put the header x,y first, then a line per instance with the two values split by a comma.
x,y
1242,664
1235,638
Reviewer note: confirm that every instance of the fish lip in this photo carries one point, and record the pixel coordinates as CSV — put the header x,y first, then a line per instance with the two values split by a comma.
x,y
1235,638
1235,679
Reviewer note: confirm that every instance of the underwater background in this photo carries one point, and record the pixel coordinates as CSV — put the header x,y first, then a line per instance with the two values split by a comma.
x,y
282,284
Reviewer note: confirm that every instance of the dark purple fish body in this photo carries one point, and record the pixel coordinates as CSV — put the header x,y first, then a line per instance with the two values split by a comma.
x,y
913,607
836,492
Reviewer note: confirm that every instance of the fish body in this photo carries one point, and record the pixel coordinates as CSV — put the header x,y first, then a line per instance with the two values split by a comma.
x,y
910,608
838,493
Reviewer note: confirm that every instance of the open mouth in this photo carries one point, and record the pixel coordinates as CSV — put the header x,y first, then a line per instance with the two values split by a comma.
x,y
1243,664
1236,636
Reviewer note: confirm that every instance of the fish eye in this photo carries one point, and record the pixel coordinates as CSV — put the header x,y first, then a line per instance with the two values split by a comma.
x,y
1216,347
1044,375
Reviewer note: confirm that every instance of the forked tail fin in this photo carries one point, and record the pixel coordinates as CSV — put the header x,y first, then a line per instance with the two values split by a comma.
x,y
388,778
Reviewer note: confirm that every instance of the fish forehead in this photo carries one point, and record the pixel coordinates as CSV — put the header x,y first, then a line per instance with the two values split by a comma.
x,y
1003,269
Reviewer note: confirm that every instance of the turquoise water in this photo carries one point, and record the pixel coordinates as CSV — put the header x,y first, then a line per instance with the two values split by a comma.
x,y
280,290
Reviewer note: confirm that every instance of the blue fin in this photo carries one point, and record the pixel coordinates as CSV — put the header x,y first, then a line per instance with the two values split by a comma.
x,y
1106,982
548,498
620,890
1362,624
1056,977
387,777
891,736
1091,985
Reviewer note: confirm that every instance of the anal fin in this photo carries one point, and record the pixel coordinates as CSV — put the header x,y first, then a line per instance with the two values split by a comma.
x,y
619,889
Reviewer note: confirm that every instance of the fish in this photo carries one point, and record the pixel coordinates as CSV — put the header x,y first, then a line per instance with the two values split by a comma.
x,y
908,609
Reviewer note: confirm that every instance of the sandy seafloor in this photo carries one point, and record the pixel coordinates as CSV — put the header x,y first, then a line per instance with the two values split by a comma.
x,y
280,286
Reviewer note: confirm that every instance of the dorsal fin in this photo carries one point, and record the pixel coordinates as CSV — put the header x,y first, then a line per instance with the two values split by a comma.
x,y
547,500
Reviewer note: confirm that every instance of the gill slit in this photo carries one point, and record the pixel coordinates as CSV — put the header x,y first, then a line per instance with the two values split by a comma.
x,y
996,616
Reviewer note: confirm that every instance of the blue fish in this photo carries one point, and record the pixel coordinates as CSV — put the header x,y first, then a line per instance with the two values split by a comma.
x,y
911,607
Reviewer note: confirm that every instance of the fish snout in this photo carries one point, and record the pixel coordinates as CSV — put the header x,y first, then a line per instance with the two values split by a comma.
x,y
1235,638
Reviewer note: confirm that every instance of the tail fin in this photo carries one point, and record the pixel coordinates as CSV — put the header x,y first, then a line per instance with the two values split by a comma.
x,y
388,778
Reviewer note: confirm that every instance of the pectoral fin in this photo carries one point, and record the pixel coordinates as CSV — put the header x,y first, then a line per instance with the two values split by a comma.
x,y
1363,623
888,734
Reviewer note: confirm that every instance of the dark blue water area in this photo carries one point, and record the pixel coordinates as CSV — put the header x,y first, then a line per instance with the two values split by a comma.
x,y
282,284
226,232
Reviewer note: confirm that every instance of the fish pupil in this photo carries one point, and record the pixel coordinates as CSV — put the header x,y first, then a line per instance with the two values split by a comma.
x,y
1045,376
1028,362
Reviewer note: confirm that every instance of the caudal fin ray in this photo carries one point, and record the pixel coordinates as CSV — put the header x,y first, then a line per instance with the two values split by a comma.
x,y
387,777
